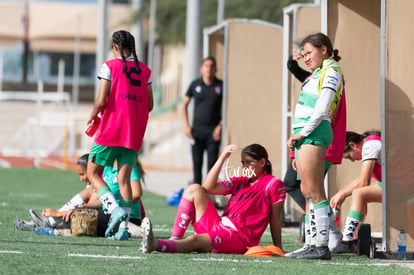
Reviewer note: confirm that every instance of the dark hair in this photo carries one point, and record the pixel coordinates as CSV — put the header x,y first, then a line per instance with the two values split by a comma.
x,y
83,161
357,138
258,152
318,40
126,41
211,59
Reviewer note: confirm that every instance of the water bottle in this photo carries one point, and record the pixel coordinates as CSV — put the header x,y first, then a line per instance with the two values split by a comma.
x,y
337,215
402,246
93,126
45,231
174,198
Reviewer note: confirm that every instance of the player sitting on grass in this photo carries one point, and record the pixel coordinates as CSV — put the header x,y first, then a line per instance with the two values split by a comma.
x,y
255,202
88,198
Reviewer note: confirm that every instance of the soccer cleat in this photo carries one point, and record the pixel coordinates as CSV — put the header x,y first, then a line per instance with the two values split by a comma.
x,y
297,252
344,247
60,224
147,244
118,215
121,235
23,225
38,219
316,253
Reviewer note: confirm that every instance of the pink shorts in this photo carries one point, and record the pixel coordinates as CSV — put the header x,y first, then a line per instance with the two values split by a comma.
x,y
224,239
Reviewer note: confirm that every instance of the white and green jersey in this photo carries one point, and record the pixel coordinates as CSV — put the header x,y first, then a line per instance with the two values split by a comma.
x,y
320,94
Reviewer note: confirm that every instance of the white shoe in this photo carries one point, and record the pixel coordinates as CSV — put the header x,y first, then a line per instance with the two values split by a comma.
x,y
147,244
134,230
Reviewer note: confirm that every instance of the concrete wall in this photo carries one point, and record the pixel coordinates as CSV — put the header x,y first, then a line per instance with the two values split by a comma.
x,y
354,29
399,122
253,81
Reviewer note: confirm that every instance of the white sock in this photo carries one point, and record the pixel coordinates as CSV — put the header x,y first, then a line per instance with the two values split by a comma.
x,y
74,202
351,225
322,225
109,201
307,233
312,224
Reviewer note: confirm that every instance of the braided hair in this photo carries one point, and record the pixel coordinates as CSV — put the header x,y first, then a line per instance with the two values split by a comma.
x,y
126,41
258,152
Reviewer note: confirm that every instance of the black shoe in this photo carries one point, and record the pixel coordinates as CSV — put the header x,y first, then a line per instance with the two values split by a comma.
x,y
61,224
300,251
316,253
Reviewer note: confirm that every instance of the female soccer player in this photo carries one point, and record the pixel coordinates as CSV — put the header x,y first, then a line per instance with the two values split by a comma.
x,y
124,101
312,133
255,202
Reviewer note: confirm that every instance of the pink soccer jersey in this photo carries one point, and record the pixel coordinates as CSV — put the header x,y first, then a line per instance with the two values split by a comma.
x,y
250,205
125,116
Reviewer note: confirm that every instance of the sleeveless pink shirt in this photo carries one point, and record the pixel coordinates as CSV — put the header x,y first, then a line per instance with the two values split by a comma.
x,y
125,115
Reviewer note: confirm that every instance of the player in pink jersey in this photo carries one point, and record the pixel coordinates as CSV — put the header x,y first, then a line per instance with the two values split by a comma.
x,y
124,101
365,147
256,200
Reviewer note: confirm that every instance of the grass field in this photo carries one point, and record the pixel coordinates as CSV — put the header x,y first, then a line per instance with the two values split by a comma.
x,y
27,253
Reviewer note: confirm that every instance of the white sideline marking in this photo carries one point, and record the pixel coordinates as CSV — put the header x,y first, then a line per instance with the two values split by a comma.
x,y
28,195
10,252
106,256
357,264
210,259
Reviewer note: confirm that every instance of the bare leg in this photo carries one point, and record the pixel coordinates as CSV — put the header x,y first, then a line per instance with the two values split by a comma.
x,y
362,196
194,243
94,172
124,181
196,194
311,165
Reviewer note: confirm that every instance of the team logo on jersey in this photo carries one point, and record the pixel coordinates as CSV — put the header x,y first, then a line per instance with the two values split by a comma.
x,y
218,90
228,184
198,89
217,239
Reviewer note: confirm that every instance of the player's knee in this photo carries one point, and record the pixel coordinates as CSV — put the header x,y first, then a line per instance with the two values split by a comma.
x,y
193,189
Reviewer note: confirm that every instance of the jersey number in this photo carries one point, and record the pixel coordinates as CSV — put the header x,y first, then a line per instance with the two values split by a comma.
x,y
134,82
